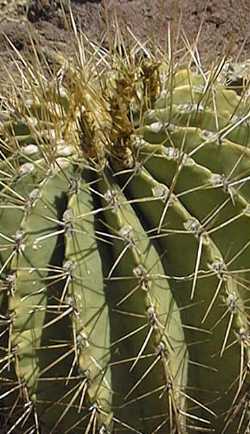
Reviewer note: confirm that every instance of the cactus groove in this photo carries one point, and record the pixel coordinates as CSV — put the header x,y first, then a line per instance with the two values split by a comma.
x,y
124,249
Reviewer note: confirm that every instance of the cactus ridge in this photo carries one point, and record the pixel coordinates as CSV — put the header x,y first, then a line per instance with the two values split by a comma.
x,y
124,249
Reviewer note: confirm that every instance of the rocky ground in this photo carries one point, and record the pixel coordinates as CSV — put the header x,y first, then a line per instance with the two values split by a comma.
x,y
221,25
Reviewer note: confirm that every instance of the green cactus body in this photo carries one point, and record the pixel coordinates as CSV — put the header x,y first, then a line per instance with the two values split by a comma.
x,y
153,342
125,252
199,279
86,294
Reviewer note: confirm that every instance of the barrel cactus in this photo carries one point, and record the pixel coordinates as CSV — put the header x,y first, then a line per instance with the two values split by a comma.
x,y
124,249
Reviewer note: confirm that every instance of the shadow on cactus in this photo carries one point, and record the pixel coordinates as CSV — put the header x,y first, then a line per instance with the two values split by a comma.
x,y
124,247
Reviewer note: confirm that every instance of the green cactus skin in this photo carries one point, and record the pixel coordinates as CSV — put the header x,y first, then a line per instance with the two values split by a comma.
x,y
155,344
125,251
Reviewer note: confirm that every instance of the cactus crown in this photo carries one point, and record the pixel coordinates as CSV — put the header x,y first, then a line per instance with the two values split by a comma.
x,y
124,247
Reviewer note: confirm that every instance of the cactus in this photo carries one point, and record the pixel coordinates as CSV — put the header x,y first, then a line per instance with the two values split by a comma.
x,y
124,249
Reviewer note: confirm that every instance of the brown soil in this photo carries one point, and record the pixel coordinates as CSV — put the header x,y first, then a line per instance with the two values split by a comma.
x,y
223,24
